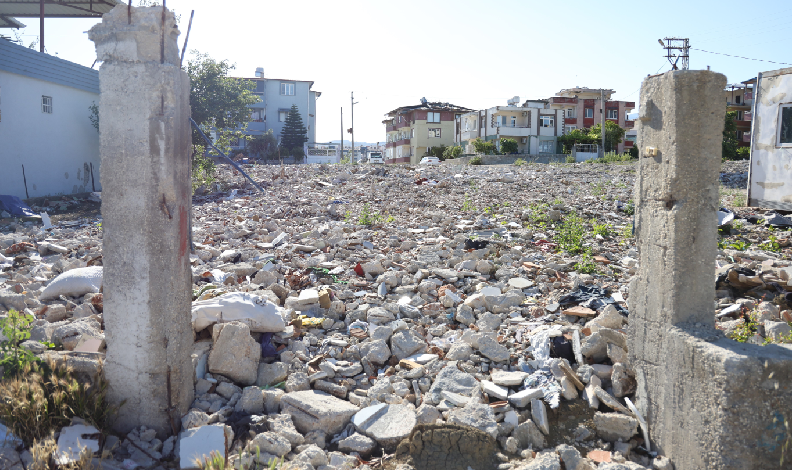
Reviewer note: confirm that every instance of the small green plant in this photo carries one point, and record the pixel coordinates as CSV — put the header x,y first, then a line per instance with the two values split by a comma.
x,y
745,331
203,169
477,160
570,159
368,217
629,209
571,233
519,162
626,233
598,189
467,205
600,229
16,328
586,265
739,245
771,244
739,200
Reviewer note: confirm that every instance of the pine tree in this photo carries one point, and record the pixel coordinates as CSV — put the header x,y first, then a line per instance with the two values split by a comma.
x,y
293,134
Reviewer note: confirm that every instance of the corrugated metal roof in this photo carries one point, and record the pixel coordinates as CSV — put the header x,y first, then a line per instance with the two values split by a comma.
x,y
31,63
57,8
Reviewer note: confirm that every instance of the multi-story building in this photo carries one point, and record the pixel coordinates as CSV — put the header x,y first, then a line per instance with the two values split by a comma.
x,y
739,98
276,97
411,130
582,107
534,126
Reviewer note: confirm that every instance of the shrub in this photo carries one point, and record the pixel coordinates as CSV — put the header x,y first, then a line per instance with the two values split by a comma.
x,y
477,160
633,152
570,159
519,162
16,328
571,233
203,169
743,153
484,147
508,146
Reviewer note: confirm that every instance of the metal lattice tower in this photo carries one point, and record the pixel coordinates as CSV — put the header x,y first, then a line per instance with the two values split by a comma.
x,y
676,49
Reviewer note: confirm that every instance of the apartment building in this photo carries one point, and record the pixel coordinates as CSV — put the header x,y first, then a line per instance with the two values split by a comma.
x,y
276,97
411,130
739,98
582,107
533,125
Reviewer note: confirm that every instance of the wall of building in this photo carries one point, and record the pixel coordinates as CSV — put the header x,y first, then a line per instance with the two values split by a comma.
x,y
57,149
273,102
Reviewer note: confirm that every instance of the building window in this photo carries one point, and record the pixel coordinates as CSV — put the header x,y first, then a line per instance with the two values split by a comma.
x,y
434,133
46,104
570,113
513,121
546,121
737,99
613,114
412,133
589,113
282,115
287,89
739,115
785,125
432,117
546,146
570,129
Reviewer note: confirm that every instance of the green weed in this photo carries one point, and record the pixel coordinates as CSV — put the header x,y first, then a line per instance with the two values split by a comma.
x,y
586,265
467,206
519,162
570,234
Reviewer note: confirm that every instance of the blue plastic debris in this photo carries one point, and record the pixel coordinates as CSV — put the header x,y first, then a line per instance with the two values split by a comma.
x,y
14,206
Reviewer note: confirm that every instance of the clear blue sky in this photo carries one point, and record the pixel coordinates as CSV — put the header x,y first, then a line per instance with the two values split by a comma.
x,y
475,54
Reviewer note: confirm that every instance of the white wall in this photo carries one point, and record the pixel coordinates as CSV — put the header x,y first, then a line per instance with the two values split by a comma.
x,y
56,149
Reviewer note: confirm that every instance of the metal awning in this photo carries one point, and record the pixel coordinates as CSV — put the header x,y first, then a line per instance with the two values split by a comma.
x,y
10,9
8,22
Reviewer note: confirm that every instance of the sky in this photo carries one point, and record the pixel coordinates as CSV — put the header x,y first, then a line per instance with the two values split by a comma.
x,y
472,54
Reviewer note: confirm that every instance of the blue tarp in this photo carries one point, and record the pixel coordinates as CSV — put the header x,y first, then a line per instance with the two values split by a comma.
x,y
14,206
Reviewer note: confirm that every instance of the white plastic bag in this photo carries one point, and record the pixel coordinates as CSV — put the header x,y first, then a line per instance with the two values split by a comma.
x,y
75,283
258,313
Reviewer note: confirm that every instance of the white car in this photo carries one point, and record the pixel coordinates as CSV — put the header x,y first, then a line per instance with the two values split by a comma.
x,y
430,161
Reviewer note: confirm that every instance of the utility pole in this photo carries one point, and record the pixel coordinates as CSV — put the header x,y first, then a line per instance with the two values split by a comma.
x,y
602,118
352,100
341,149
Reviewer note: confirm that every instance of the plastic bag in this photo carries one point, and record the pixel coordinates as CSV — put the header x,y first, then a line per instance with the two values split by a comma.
x,y
258,313
74,283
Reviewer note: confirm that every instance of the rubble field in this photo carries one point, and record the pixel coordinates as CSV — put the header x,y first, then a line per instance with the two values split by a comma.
x,y
400,317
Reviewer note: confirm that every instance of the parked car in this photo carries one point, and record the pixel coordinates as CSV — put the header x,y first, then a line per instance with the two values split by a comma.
x,y
375,157
430,161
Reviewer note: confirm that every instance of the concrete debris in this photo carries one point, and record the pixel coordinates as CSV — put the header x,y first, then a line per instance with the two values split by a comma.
x,y
425,332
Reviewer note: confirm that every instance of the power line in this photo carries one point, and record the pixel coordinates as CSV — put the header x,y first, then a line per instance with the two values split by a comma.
x,y
741,57
658,70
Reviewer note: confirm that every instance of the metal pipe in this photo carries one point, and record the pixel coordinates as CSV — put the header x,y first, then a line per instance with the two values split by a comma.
x,y
232,162
41,25
186,38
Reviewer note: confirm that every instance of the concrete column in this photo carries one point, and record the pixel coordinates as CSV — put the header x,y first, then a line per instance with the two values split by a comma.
x,y
146,201
711,403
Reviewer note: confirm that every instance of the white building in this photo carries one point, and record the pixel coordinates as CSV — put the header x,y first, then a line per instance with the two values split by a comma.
x,y
45,124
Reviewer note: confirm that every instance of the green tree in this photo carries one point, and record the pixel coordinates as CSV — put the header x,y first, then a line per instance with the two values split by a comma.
x,y
508,146
438,151
484,147
452,152
218,103
613,135
575,136
264,146
294,134
729,147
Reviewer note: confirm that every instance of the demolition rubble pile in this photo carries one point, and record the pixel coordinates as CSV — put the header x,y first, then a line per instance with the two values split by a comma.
x,y
346,312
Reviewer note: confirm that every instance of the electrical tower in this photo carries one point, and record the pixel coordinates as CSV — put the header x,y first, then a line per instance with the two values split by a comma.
x,y
676,49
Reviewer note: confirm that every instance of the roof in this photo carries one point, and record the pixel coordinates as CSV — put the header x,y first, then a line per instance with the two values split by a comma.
x,y
57,9
578,89
31,63
430,106
278,79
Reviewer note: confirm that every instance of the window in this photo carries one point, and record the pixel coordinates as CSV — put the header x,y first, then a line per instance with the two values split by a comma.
x,y
474,125
287,89
737,99
546,146
46,104
613,114
482,123
501,121
570,113
785,125
739,115
570,129
432,117
434,133
412,133
513,121
282,115
546,121
589,113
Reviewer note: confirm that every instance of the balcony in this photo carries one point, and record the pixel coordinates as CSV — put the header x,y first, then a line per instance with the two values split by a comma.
x,y
390,128
629,124
514,131
570,120
629,104
469,135
402,142
747,116
628,143
746,137
563,100
257,126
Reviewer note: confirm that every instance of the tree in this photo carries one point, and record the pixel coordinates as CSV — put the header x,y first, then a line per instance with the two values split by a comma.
x,y
613,135
575,136
508,146
729,147
218,102
438,151
452,152
483,147
264,146
293,134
